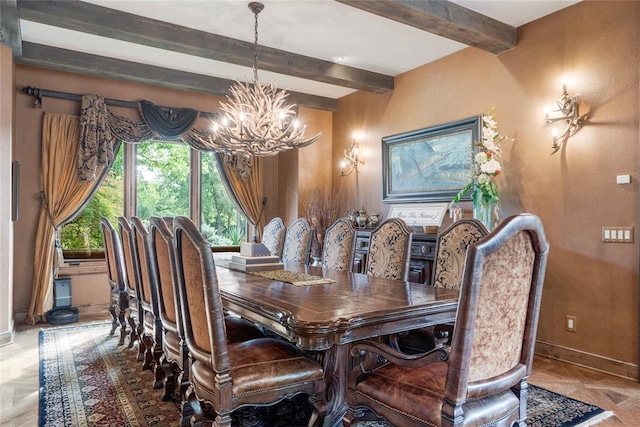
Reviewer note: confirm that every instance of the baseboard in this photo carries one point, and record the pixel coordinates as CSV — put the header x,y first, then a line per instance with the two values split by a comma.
x,y
7,337
587,360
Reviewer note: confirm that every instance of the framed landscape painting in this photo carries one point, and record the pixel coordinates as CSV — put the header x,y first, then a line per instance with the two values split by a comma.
x,y
430,164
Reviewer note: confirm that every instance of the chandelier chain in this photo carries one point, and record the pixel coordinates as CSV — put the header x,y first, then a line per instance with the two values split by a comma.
x,y
255,46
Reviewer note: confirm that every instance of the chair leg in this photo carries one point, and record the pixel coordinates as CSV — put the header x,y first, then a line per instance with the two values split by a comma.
x,y
197,419
319,407
123,324
147,346
158,355
133,334
114,322
169,382
222,421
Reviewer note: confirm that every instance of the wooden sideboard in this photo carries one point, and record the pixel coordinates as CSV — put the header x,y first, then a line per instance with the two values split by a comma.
x,y
423,251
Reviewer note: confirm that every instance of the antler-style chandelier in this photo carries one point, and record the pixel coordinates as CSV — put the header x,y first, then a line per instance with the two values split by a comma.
x,y
256,121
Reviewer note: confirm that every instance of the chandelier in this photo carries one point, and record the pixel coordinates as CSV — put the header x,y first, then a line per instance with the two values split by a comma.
x,y
256,120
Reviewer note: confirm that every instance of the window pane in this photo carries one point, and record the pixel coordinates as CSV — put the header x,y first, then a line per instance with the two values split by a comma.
x,y
81,238
162,174
221,223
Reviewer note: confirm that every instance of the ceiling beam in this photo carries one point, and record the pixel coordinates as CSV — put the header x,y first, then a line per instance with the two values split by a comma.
x,y
83,63
9,27
445,19
105,22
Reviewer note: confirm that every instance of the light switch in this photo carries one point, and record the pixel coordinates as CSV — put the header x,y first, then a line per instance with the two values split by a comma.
x,y
611,234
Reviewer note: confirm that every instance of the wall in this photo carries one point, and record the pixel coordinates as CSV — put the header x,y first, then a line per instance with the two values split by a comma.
x,y
6,225
573,191
89,290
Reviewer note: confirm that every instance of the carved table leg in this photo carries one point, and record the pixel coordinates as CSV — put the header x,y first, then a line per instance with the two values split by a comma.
x,y
336,367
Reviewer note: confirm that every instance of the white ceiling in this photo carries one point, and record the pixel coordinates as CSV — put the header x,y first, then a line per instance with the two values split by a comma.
x,y
321,29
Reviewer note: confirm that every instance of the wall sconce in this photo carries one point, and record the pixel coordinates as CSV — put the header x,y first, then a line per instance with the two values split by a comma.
x,y
350,161
566,117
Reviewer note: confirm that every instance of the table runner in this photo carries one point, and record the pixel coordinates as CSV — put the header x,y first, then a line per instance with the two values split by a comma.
x,y
297,279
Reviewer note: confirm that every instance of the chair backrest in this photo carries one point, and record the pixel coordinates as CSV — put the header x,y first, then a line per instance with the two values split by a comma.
x,y
451,251
148,279
164,261
389,250
497,318
297,243
200,300
339,245
113,255
130,257
273,236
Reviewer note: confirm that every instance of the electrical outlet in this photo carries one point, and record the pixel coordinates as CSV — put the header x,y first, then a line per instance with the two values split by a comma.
x,y
571,323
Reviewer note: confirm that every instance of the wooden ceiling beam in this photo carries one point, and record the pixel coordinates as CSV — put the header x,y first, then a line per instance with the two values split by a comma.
x,y
105,22
9,27
445,19
83,63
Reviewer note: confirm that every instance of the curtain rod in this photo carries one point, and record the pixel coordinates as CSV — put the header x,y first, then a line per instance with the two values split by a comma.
x,y
38,94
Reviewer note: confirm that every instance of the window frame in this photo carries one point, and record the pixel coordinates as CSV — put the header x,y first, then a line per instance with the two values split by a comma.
x,y
130,196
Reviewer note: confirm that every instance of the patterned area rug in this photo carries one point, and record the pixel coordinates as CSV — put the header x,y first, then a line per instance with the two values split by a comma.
x,y
87,380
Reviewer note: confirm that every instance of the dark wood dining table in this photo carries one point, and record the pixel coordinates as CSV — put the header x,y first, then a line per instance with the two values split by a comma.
x,y
324,319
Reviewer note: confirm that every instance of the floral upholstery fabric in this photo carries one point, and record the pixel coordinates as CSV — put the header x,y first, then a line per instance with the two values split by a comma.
x,y
297,243
273,236
337,253
502,308
389,249
452,251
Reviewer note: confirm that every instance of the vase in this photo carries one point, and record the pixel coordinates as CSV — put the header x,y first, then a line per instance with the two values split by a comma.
x,y
484,212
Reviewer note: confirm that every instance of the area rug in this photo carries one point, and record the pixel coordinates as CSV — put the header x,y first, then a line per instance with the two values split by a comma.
x,y
86,379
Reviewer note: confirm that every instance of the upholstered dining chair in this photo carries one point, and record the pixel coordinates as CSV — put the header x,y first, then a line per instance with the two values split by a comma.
x,y
339,245
273,236
119,301
133,285
174,347
481,379
389,250
152,325
257,372
451,250
297,242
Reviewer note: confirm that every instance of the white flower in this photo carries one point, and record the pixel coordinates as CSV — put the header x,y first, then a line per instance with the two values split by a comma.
x,y
491,167
481,157
483,178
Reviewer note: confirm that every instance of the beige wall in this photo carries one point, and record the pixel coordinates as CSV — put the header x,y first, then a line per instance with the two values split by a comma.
x,y
574,191
6,225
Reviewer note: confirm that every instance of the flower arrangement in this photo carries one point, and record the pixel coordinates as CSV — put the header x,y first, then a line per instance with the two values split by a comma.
x,y
485,167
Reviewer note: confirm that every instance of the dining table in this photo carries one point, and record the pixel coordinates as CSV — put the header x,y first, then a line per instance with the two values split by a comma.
x,y
325,316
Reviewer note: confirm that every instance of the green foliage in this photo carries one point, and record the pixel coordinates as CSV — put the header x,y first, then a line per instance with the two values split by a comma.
x,y
84,231
163,182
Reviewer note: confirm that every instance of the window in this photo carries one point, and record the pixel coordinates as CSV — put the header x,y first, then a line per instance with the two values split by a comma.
x,y
82,238
162,177
157,180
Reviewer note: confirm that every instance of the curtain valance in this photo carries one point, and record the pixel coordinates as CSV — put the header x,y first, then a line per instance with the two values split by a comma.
x,y
101,129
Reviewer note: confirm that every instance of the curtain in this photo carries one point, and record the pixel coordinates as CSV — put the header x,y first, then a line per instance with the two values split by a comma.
x,y
242,175
62,196
247,192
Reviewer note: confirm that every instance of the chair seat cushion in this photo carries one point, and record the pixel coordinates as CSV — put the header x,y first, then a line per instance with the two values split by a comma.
x,y
172,346
239,330
408,390
420,391
260,365
149,321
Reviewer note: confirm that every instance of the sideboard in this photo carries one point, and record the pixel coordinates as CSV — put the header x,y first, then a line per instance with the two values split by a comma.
x,y
423,250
